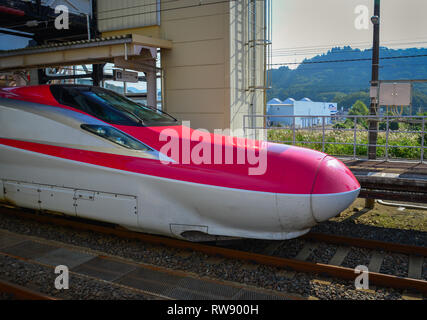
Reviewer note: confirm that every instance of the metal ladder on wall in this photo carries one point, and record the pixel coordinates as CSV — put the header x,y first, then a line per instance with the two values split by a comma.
x,y
259,33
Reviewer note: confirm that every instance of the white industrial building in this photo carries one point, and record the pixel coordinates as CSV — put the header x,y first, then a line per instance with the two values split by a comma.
x,y
283,113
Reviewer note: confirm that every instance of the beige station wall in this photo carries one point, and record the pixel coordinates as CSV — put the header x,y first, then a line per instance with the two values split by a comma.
x,y
196,70
204,73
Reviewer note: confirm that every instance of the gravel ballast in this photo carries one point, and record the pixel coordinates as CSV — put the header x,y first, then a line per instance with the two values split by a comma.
x,y
225,269
42,279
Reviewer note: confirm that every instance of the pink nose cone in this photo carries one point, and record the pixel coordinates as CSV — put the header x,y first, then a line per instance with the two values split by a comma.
x,y
335,189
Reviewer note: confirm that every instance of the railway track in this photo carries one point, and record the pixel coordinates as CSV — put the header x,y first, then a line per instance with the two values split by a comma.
x,y
399,181
413,281
17,292
95,274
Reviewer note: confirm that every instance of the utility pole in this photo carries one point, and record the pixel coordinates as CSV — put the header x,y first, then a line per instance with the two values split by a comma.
x,y
372,153
373,123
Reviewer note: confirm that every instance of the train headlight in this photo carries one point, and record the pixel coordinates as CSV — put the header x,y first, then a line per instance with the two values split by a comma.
x,y
116,136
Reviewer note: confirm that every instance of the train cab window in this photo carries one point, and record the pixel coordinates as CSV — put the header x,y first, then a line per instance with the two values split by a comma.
x,y
80,97
147,114
108,106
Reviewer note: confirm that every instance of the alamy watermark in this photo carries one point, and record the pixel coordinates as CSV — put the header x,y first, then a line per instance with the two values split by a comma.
x,y
62,21
62,282
362,281
362,20
224,147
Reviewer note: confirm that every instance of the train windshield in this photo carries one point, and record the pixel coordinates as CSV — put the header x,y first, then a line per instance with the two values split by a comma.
x,y
109,106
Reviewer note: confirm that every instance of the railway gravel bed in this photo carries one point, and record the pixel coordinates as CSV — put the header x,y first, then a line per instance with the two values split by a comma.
x,y
356,257
322,254
395,264
306,285
351,229
289,249
41,278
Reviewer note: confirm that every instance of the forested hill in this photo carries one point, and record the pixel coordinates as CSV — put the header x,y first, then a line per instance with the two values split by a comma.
x,y
347,82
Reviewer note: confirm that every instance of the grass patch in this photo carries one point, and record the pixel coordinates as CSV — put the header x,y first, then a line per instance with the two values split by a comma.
x,y
345,139
385,217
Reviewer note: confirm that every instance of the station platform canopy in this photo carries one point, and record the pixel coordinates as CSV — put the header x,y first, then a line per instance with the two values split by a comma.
x,y
128,49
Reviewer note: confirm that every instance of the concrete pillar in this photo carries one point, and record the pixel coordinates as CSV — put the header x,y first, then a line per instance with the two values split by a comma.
x,y
34,77
151,77
97,74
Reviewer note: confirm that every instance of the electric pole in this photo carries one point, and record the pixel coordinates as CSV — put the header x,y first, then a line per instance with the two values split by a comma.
x,y
373,123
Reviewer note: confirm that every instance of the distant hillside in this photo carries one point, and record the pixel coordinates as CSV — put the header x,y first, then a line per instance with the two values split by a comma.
x,y
347,82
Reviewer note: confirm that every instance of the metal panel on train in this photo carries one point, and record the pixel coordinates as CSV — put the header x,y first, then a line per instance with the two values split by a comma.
x,y
114,208
22,194
57,199
118,15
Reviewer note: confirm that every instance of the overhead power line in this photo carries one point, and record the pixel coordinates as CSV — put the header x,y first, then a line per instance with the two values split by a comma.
x,y
355,48
347,60
329,45
343,50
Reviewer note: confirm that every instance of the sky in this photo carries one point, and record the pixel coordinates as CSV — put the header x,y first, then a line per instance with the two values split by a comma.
x,y
8,42
305,28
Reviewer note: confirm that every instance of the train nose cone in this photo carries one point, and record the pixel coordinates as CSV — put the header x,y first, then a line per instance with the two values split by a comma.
x,y
335,189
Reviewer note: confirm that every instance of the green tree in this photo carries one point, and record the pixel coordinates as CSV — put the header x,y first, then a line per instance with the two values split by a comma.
x,y
359,109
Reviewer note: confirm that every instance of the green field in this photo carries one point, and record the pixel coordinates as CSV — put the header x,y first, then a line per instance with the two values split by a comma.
x,y
396,141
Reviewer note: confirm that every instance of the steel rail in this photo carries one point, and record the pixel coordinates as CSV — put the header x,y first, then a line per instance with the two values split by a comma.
x,y
297,265
392,195
21,293
369,244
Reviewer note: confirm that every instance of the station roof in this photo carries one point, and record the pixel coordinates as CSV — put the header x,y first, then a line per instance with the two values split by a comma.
x,y
98,50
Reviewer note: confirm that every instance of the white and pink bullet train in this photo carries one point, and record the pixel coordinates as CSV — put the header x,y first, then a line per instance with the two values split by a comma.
x,y
88,152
